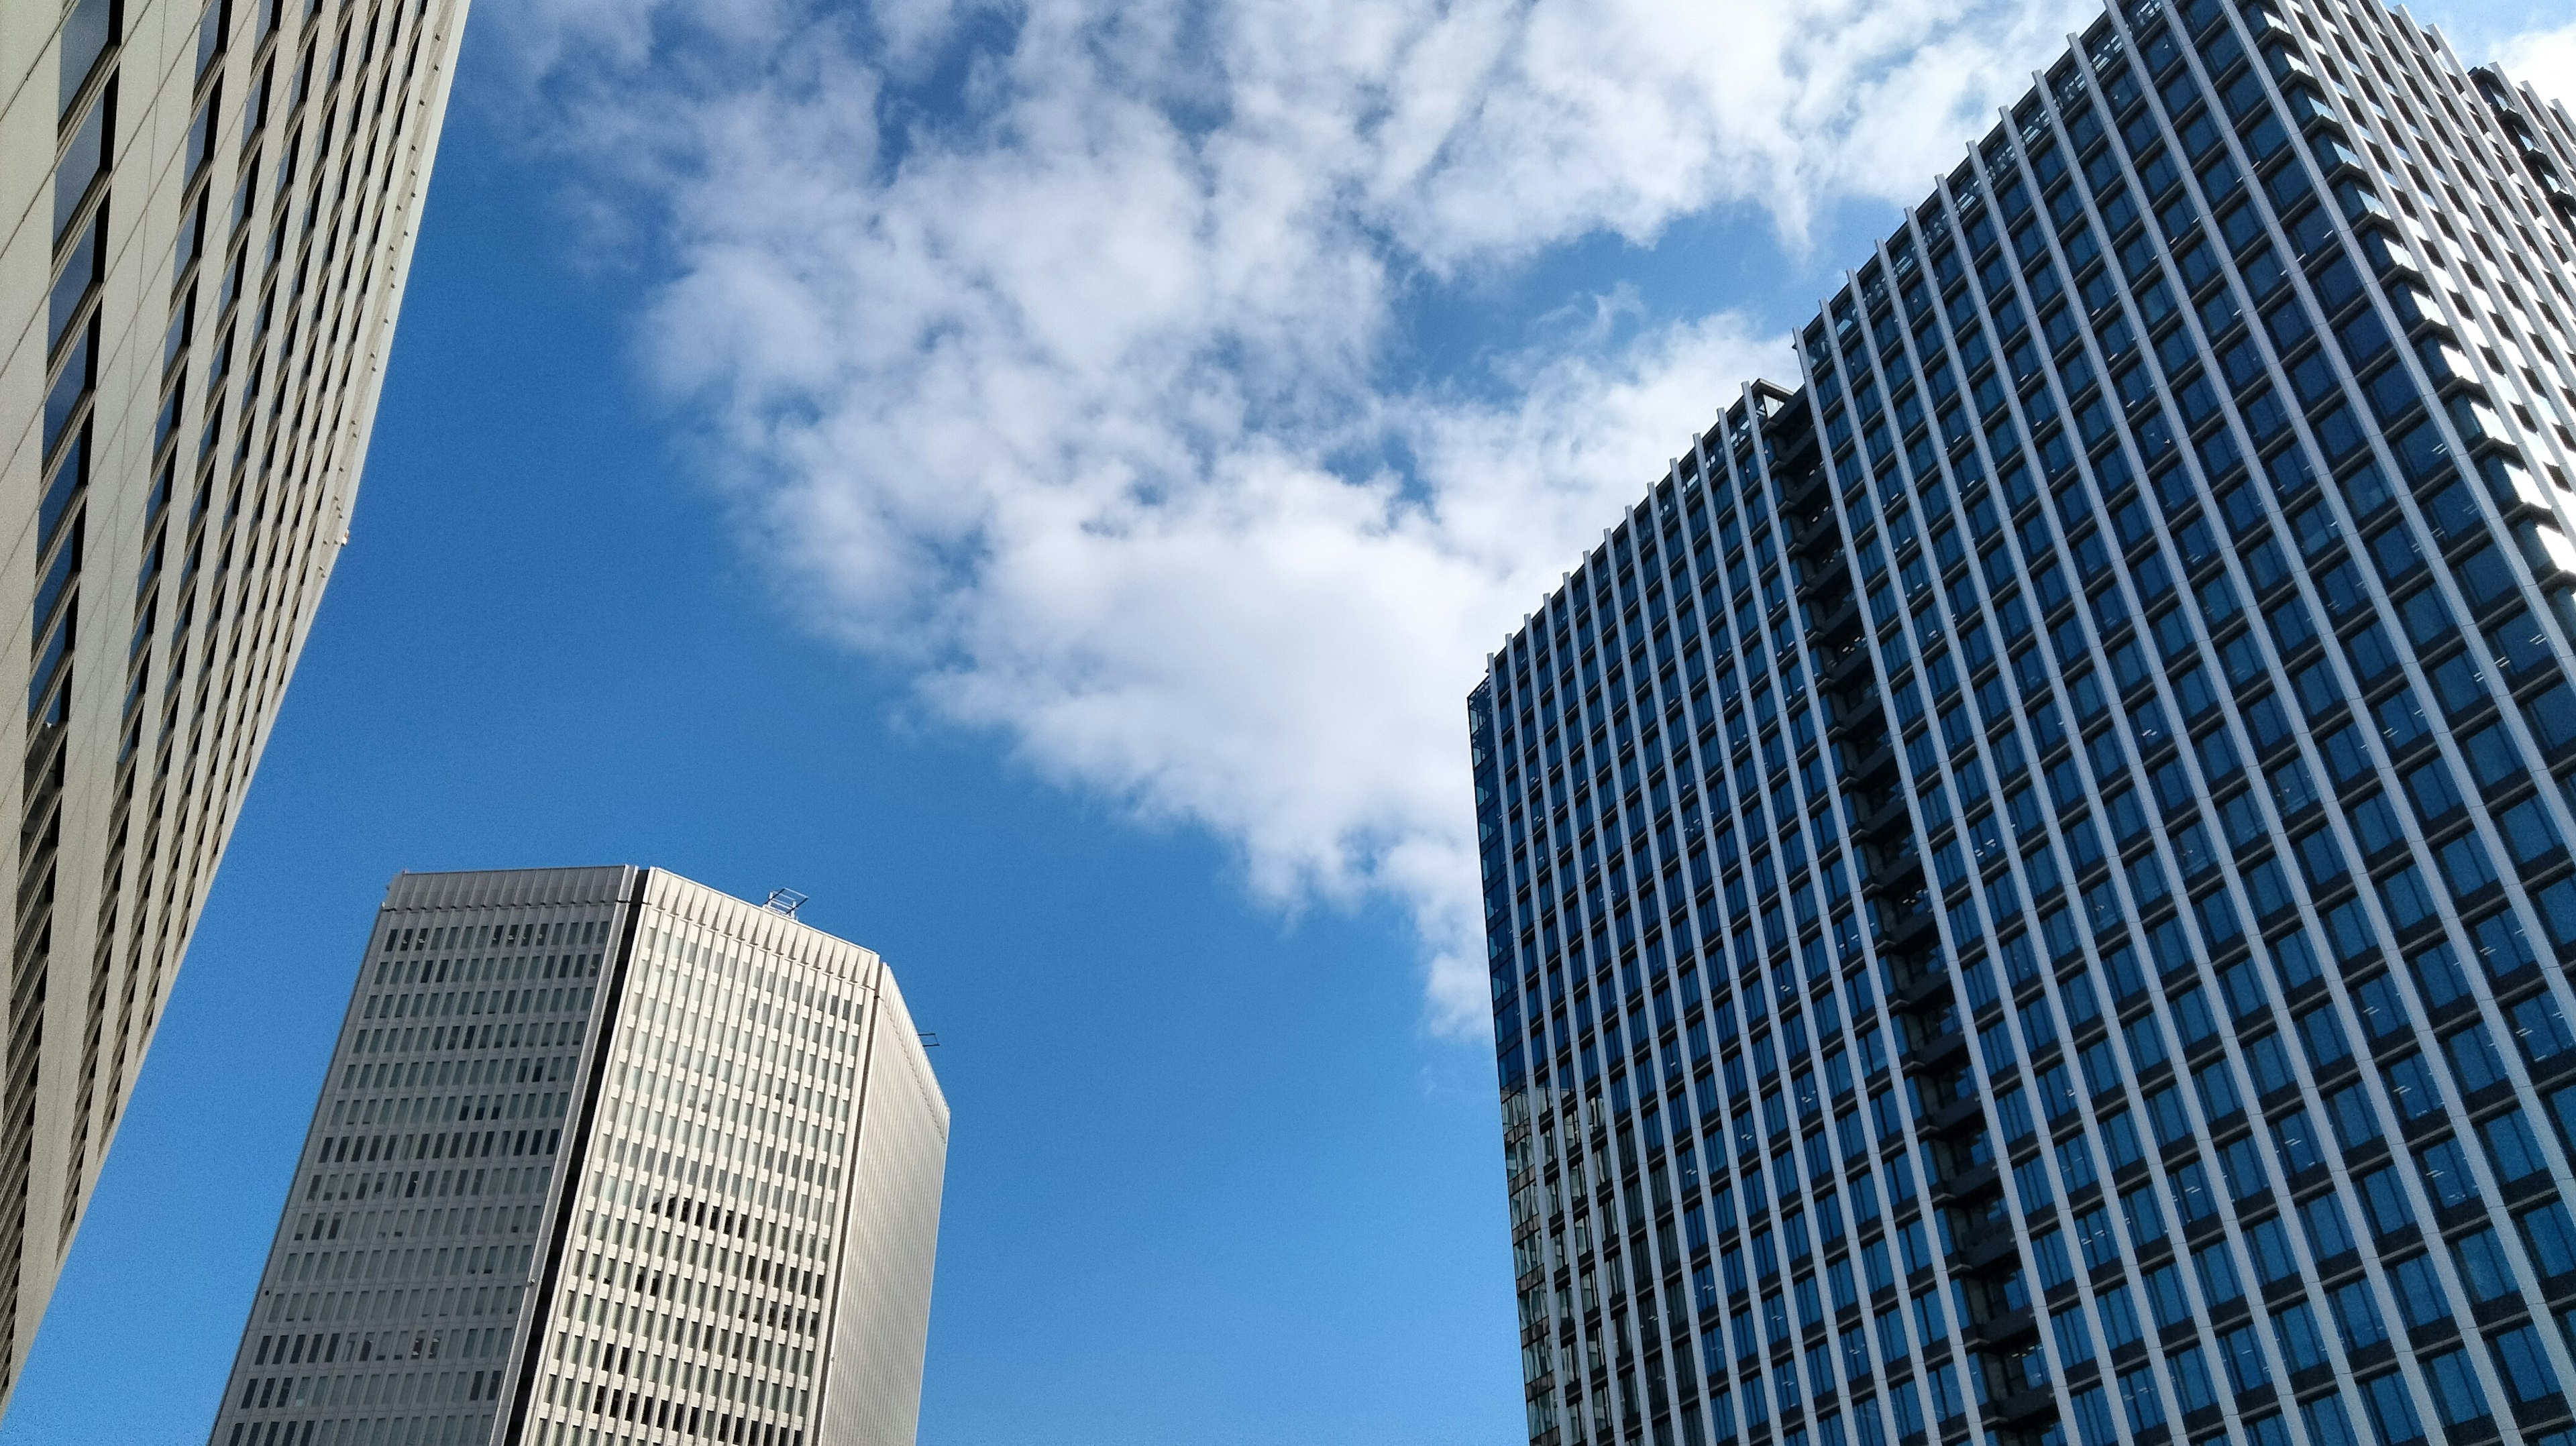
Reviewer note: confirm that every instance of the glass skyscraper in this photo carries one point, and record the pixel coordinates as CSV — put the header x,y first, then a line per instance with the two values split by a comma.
x,y
2027,881
213,208
604,1158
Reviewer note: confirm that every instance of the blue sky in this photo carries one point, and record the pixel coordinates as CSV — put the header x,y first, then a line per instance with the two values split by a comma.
x,y
827,474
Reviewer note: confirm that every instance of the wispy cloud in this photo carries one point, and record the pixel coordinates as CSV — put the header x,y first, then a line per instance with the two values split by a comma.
x,y
2543,59
1046,346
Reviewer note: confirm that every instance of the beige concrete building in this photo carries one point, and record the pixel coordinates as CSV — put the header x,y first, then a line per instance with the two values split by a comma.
x,y
604,1157
209,215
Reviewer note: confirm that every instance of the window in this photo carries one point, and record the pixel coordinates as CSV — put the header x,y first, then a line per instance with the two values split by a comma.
x,y
2411,1087
84,159
2074,1339
2145,1216
2119,1314
2275,1259
2529,835
2437,974
2447,1177
2502,947
2392,1410
2375,825
2192,1017
2216,1083
2093,1236
2191,1191
2524,1364
2383,1198
2408,900
2295,1138
2302,1343
2075,1162
2321,1033
2146,1043
2512,1147
2356,1119
2242,1350
2216,1266
2456,1392
2483,1266
2465,866
2327,1422
2421,1300
2541,1029
2241,1161
2170,1297
2474,1059
2493,758
2120,1139
2171,1116
2383,1008
2269,1059
2190,1371
2144,1403
2551,1234
2356,1311
2054,1267
2436,796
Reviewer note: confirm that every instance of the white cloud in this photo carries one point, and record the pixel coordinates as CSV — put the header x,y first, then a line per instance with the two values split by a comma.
x,y
2545,60
1066,383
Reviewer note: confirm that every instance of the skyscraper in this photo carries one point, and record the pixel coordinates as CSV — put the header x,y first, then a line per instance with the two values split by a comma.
x,y
603,1156
2027,881
216,203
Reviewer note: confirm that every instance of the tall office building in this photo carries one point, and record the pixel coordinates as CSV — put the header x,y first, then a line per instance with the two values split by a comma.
x,y
2027,880
603,1157
215,205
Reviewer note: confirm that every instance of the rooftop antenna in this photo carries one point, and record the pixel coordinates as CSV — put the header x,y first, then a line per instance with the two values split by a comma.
x,y
784,901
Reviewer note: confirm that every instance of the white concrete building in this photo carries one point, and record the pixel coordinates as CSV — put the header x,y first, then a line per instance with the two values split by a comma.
x,y
210,207
603,1156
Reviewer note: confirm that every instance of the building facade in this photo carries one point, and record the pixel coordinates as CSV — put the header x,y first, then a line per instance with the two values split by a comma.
x,y
216,205
2027,881
603,1156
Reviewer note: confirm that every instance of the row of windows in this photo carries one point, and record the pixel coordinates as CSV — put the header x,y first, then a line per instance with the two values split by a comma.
x,y
522,935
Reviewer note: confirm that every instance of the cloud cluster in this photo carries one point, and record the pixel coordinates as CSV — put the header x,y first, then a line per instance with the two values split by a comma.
x,y
1052,349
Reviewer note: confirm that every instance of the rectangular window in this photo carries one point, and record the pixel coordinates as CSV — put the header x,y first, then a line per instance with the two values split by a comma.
x,y
2216,1266
2383,1198
2513,1147
2447,1177
2171,1298
2302,1344
2456,1392
2421,1297
2524,1363
2551,1234
2392,1410
83,160
2074,1338
2140,1398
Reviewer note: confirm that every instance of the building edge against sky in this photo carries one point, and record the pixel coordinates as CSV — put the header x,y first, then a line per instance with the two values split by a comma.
x,y
213,216
603,1155
2024,881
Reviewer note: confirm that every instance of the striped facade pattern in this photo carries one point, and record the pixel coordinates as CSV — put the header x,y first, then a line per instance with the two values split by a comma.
x,y
215,208
620,1115
2027,881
